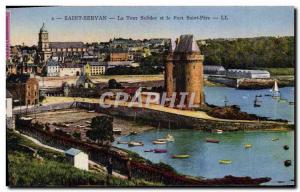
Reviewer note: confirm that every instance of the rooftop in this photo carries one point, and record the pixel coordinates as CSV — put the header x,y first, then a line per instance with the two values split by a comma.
x,y
187,44
64,45
72,152
248,71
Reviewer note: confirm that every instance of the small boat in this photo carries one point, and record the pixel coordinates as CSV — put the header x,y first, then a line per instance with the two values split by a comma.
x,y
268,95
212,140
180,156
219,131
117,131
168,138
287,163
122,142
156,142
148,150
160,150
282,100
88,122
135,143
247,146
223,161
275,90
92,111
291,103
286,147
133,133
257,103
258,95
275,139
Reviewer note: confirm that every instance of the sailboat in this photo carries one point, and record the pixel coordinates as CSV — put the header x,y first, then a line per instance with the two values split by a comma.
x,y
275,90
167,138
257,103
159,141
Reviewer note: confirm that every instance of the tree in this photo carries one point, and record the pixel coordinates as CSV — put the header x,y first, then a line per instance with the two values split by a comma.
x,y
102,130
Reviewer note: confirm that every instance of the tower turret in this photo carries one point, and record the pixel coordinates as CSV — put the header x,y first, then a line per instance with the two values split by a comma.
x,y
189,69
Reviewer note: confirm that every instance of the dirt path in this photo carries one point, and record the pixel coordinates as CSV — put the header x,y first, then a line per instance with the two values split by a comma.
x,y
91,163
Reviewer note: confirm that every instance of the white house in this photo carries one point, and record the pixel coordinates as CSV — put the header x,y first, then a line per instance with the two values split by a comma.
x,y
8,104
78,158
52,68
10,120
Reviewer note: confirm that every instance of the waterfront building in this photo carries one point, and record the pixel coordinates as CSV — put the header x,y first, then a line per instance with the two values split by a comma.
x,y
77,158
214,70
184,69
251,74
24,89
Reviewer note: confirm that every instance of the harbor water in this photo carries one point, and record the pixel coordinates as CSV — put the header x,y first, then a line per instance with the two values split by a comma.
x,y
271,108
264,159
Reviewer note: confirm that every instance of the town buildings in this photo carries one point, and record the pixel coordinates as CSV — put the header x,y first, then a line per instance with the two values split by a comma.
x,y
70,69
24,89
100,56
52,68
118,55
61,49
97,68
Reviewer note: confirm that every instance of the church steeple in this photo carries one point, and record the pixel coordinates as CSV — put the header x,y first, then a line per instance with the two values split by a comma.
x,y
43,44
43,29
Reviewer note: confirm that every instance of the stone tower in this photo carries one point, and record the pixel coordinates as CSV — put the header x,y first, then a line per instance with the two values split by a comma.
x,y
188,69
43,44
169,70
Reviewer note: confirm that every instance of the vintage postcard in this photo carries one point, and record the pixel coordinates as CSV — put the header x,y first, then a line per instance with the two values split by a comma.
x,y
150,96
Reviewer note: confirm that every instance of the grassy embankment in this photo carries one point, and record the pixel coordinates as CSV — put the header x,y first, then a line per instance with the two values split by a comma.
x,y
280,71
50,168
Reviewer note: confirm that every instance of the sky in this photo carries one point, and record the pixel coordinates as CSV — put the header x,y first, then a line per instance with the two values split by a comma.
x,y
241,22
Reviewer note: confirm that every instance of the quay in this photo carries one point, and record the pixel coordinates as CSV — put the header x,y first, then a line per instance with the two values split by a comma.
x,y
154,114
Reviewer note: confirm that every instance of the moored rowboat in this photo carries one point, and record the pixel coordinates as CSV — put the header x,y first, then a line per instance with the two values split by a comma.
x,y
212,140
135,143
160,150
180,156
224,161
247,146
156,142
122,142
148,150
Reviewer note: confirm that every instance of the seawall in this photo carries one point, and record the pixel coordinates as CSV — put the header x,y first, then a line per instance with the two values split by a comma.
x,y
165,119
